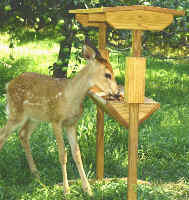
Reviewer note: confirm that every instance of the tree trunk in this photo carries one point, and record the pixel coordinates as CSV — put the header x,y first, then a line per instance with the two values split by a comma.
x,y
60,68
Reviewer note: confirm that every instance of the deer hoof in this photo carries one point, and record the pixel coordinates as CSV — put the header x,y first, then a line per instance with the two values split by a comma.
x,y
88,190
66,190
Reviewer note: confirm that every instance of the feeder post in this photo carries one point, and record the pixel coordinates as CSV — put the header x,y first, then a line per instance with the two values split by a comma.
x,y
133,128
100,112
100,144
102,36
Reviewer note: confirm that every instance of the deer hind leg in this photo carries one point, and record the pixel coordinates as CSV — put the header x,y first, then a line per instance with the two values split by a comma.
x,y
72,137
24,136
13,123
62,154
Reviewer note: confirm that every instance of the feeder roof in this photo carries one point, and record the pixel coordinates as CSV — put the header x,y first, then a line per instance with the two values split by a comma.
x,y
128,17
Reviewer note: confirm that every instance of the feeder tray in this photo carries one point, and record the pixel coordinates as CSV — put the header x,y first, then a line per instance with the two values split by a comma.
x,y
119,109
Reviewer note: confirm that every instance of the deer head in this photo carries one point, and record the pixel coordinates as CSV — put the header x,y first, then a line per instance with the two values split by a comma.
x,y
101,75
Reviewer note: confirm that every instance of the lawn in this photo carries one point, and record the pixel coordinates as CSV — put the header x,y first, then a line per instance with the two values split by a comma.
x,y
163,138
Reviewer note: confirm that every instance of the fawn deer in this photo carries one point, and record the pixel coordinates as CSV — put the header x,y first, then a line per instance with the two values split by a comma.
x,y
33,98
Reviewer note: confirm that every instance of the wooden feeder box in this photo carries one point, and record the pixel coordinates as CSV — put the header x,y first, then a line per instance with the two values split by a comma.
x,y
135,107
119,109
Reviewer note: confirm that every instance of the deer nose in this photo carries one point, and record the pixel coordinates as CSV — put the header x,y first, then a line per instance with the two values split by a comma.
x,y
117,95
117,91
114,89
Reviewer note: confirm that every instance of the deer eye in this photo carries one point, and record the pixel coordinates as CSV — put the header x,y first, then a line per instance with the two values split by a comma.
x,y
108,76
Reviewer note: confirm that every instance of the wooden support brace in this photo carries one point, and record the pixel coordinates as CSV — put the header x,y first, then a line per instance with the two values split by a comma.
x,y
100,113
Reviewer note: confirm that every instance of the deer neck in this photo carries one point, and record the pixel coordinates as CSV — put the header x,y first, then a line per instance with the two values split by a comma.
x,y
79,86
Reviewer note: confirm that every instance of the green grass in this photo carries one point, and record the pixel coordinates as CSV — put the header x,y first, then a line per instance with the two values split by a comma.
x,y
163,138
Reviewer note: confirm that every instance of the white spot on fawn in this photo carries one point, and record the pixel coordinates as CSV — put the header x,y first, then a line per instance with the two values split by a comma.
x,y
58,95
25,102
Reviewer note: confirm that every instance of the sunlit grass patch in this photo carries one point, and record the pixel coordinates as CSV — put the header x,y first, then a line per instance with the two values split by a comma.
x,y
41,53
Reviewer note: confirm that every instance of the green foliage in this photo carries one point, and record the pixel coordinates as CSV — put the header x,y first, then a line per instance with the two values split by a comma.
x,y
50,19
10,68
163,140
37,20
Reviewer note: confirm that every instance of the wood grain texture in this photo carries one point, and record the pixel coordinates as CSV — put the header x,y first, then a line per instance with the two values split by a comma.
x,y
133,127
133,151
100,112
136,43
139,20
135,79
119,110
97,17
100,144
84,20
145,8
102,36
128,17
129,8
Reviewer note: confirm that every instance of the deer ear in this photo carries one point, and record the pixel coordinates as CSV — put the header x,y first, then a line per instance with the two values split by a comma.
x,y
88,52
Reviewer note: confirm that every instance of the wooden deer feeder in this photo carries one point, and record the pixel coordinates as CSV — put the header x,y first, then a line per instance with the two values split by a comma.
x,y
135,107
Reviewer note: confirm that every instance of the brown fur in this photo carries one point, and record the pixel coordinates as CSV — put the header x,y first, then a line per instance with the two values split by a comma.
x,y
33,98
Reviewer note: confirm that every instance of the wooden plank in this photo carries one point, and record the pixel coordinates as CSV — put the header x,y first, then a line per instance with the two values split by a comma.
x,y
90,10
133,151
133,128
145,8
102,38
137,42
135,79
122,118
109,108
129,8
128,17
119,110
97,17
139,20
100,116
84,20
146,110
100,144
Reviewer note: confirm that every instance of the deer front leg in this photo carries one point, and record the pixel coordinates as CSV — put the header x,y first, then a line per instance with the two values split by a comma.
x,y
72,137
13,123
24,136
62,154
